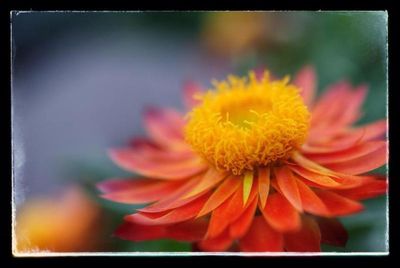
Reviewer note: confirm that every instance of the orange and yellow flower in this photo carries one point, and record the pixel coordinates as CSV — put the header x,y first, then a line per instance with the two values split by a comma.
x,y
256,164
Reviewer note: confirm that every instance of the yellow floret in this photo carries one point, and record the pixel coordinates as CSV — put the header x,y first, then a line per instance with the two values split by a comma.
x,y
248,122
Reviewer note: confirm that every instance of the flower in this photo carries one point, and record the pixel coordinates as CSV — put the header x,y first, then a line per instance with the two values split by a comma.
x,y
256,165
67,223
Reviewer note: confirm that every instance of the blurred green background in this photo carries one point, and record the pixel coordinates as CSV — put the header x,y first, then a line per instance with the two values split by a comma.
x,y
340,45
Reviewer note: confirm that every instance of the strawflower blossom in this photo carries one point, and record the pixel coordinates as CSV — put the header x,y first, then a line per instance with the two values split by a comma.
x,y
255,165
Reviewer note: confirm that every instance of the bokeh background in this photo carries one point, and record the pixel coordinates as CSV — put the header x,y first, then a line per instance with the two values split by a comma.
x,y
80,82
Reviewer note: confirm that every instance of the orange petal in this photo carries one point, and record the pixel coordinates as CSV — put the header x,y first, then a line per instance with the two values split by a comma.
x,y
347,181
180,214
306,163
263,185
306,81
367,190
190,91
219,220
371,131
280,214
219,243
229,211
211,178
261,238
171,170
334,145
353,104
165,126
225,190
361,164
239,227
311,202
332,232
137,191
331,101
343,110
153,152
188,231
314,177
344,180
341,181
360,150
337,204
287,183
173,200
332,139
307,239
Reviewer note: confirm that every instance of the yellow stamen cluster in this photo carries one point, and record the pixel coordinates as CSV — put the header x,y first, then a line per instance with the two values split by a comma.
x,y
248,122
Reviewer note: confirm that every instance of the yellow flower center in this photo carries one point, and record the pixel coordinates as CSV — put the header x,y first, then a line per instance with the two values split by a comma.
x,y
248,122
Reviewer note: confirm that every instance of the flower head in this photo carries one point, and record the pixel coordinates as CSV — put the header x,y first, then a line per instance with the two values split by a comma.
x,y
245,124
255,165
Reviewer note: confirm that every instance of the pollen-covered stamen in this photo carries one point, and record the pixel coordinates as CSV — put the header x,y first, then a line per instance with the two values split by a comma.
x,y
248,123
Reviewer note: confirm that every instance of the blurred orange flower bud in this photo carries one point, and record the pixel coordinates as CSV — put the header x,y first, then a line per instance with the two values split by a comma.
x,y
66,223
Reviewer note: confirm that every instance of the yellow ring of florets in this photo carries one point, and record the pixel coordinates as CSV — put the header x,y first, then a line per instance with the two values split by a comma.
x,y
248,122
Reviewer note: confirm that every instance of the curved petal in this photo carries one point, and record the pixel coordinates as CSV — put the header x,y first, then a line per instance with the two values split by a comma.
x,y
361,164
239,227
180,214
280,214
368,189
165,127
353,104
229,211
306,163
137,191
330,102
170,170
325,139
337,204
211,178
343,110
355,152
219,243
319,179
371,131
320,175
311,202
263,185
287,183
307,239
336,144
261,238
224,191
153,152
174,199
306,81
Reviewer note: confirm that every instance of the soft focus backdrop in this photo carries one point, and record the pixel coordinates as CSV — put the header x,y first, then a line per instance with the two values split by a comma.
x,y
80,82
